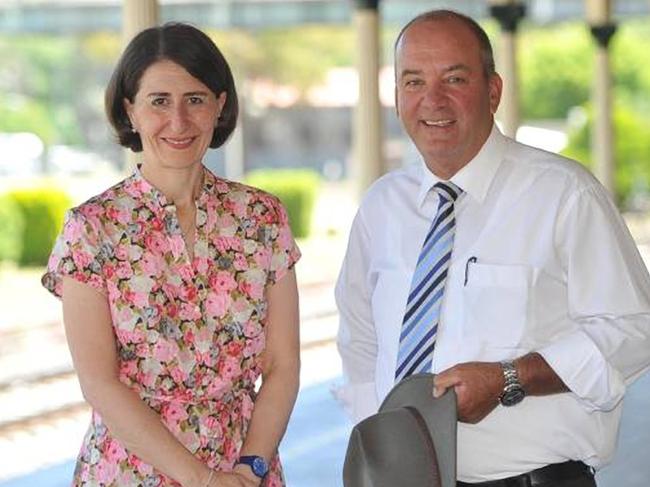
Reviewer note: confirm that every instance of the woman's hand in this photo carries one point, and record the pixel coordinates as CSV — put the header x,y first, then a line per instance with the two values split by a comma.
x,y
233,479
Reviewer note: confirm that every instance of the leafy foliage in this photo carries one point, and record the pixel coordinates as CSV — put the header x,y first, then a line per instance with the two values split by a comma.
x,y
630,65
53,85
555,70
38,77
631,150
19,113
299,56
557,67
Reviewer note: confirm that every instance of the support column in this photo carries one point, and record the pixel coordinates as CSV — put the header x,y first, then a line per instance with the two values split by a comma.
x,y
137,15
508,13
368,127
602,134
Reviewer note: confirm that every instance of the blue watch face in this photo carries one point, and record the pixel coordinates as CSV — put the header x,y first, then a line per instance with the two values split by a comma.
x,y
259,467
257,464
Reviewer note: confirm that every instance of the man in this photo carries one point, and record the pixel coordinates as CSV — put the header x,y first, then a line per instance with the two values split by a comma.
x,y
535,305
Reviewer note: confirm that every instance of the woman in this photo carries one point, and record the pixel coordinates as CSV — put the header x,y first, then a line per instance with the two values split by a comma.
x,y
178,288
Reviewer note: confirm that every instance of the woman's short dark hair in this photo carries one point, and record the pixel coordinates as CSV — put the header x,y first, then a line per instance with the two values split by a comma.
x,y
186,46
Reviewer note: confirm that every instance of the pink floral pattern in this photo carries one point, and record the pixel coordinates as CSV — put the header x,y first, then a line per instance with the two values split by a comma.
x,y
189,333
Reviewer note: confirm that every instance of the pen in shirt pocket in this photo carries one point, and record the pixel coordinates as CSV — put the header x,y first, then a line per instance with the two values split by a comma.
x,y
471,260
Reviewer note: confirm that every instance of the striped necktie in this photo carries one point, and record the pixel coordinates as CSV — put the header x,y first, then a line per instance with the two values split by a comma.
x,y
420,325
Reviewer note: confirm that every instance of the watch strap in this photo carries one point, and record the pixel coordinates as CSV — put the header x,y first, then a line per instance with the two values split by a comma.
x,y
513,392
509,374
257,464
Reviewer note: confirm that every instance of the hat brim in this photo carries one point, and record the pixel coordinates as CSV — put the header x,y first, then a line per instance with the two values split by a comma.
x,y
438,413
389,449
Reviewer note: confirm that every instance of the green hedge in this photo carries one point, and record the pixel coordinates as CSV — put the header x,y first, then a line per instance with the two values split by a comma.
x,y
296,188
42,210
11,229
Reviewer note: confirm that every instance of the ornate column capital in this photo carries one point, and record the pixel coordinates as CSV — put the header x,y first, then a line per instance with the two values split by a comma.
x,y
603,33
367,4
508,15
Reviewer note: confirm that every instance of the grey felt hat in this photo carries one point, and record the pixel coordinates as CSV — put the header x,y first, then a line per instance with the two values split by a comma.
x,y
410,442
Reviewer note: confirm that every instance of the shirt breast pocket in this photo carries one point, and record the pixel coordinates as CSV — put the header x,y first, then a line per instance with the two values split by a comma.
x,y
497,304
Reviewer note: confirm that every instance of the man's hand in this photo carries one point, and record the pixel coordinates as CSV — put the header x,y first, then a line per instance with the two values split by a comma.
x,y
478,386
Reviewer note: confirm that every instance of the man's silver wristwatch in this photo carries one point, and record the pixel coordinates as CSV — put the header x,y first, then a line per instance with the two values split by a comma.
x,y
512,393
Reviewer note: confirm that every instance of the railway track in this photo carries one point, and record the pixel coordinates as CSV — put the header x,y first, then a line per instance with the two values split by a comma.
x,y
42,388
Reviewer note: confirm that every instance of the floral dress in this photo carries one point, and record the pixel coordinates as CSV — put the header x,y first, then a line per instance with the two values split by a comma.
x,y
189,333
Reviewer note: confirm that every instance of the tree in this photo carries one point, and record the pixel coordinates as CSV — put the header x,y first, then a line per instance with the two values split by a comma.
x,y
555,70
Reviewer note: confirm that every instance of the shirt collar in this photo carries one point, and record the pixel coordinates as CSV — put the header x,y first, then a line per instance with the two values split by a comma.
x,y
149,193
145,190
477,175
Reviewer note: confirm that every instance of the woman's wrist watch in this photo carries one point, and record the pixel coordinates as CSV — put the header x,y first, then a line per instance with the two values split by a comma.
x,y
513,393
257,464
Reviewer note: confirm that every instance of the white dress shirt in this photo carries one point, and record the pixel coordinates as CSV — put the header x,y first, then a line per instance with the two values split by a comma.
x,y
556,272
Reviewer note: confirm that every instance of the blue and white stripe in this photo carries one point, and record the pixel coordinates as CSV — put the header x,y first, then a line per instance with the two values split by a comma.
x,y
420,324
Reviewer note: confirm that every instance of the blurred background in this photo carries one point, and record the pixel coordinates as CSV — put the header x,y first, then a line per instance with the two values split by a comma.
x,y
317,126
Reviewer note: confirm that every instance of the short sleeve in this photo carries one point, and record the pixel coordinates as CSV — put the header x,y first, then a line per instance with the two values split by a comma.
x,y
284,250
77,253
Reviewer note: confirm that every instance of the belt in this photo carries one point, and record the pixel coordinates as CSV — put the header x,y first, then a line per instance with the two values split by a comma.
x,y
551,473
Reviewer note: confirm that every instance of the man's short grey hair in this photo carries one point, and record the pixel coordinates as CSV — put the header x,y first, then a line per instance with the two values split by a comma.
x,y
486,53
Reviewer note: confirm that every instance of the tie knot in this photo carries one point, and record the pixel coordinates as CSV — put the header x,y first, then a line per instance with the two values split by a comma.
x,y
447,190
